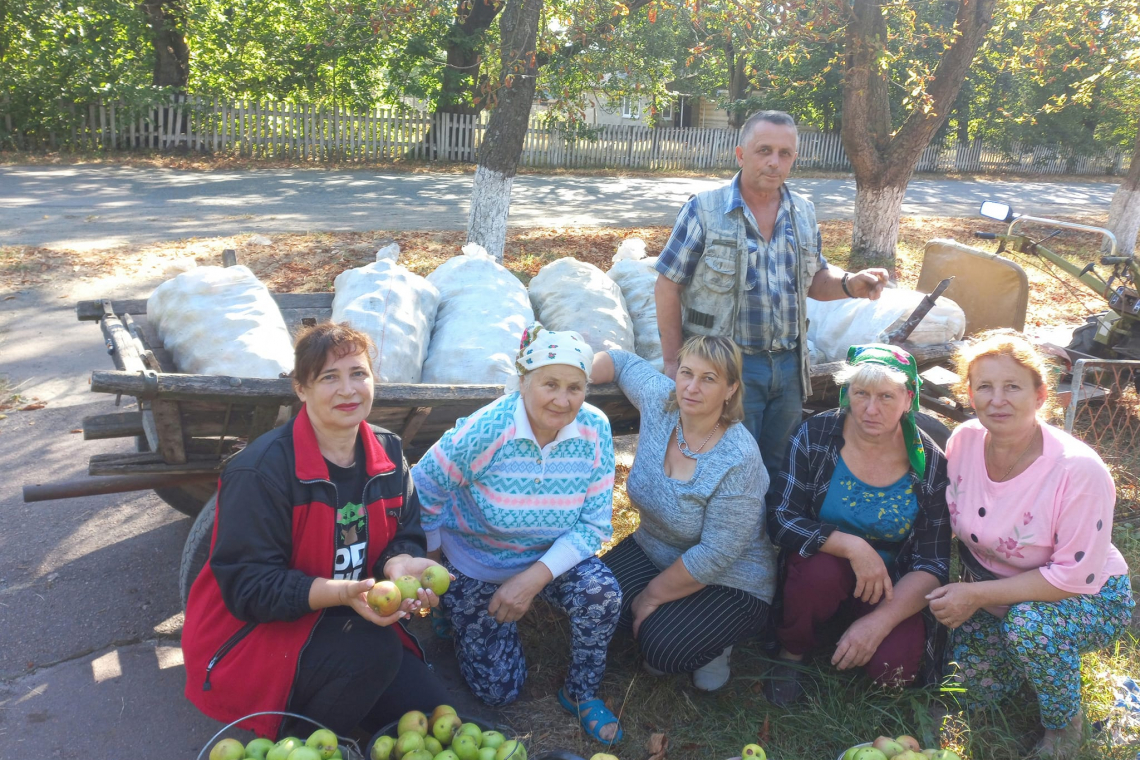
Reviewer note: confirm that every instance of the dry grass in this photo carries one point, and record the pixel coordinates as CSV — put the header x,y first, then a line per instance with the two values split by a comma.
x,y
309,262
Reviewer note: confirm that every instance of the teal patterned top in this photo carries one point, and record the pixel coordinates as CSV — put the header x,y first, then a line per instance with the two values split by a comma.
x,y
882,516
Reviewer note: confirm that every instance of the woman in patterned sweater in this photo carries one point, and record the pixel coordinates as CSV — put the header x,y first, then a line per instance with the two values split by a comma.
x,y
519,498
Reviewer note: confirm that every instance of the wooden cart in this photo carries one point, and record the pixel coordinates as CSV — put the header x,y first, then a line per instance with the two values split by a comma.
x,y
184,428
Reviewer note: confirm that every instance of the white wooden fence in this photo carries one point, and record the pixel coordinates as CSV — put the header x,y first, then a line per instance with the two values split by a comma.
x,y
282,130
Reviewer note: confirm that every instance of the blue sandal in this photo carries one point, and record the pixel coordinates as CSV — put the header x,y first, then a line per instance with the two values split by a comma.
x,y
591,711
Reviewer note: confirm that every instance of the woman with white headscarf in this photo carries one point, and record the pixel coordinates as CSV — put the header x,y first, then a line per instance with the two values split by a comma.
x,y
519,498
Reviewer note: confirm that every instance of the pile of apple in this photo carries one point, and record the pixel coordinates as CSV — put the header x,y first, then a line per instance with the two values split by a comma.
x,y
900,748
321,745
444,736
385,597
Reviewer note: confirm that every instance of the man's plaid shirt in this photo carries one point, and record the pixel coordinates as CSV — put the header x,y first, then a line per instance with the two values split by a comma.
x,y
767,318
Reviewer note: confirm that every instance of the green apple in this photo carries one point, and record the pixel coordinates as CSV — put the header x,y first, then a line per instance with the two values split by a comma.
x,y
910,754
909,742
511,748
752,752
227,749
442,710
436,578
408,585
485,753
413,720
408,742
445,727
945,754
323,741
603,756
304,753
492,739
432,745
472,730
850,753
869,753
418,754
465,747
447,754
282,749
257,748
888,746
382,748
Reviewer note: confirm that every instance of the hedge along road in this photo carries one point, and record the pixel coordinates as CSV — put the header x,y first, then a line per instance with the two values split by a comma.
x,y
103,206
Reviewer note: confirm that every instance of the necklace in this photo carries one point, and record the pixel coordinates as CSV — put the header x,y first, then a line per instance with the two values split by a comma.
x,y
681,433
1032,440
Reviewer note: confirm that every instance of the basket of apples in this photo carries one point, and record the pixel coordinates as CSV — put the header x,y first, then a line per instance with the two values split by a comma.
x,y
442,736
322,744
900,748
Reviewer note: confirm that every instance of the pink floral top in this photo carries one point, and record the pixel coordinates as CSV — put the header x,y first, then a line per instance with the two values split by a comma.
x,y
1057,515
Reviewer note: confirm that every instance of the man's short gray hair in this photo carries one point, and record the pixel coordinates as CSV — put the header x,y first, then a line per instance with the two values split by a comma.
x,y
781,118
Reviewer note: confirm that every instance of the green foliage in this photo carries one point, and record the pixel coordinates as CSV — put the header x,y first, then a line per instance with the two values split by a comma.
x,y
57,54
1064,72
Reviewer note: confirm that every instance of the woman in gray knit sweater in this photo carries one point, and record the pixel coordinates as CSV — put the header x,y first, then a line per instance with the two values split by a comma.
x,y
699,573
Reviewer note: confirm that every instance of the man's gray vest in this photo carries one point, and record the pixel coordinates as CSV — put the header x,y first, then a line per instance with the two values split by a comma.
x,y
710,303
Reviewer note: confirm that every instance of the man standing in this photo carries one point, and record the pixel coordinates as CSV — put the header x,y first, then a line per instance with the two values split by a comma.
x,y
741,261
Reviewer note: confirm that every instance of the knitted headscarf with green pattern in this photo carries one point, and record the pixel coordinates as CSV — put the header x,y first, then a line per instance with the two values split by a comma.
x,y
897,359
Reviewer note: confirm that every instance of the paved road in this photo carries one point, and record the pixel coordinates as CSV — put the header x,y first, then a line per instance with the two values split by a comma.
x,y
85,206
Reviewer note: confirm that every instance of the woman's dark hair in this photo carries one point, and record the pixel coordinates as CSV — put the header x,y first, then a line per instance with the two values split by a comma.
x,y
318,344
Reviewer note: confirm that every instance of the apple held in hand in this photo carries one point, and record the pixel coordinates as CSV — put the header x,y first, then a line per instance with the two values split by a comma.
x,y
408,585
384,598
436,578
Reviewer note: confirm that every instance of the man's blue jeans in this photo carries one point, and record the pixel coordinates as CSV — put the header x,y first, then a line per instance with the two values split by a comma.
x,y
773,404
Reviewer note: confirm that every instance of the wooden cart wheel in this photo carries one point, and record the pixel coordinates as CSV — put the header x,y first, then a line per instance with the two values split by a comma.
x,y
187,499
196,550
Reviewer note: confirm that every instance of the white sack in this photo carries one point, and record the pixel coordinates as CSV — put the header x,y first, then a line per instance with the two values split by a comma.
x,y
630,248
393,306
572,295
637,278
221,321
483,310
835,326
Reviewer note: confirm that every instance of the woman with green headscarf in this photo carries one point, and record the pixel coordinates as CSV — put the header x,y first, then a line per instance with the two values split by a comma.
x,y
859,511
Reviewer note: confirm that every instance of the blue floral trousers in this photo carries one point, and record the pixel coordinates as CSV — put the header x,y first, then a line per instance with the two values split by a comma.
x,y
490,653
1042,642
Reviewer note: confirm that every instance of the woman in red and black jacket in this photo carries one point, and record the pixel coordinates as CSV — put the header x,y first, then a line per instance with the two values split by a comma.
x,y
307,516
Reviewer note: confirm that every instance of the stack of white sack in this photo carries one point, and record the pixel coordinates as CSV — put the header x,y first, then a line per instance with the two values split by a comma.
x,y
635,275
568,294
395,307
483,310
835,326
221,321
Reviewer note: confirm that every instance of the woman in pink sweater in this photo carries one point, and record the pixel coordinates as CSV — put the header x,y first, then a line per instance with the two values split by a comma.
x,y
1032,509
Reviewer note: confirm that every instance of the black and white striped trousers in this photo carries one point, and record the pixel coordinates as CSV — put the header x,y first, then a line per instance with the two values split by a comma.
x,y
685,634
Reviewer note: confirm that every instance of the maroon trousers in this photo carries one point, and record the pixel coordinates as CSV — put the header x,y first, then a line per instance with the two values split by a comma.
x,y
820,590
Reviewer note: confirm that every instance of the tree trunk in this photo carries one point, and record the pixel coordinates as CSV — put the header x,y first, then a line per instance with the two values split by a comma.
x,y
1124,212
461,85
879,209
884,160
167,21
506,130
737,83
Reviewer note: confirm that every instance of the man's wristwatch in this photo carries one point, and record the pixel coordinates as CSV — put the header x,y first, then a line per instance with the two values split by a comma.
x,y
843,282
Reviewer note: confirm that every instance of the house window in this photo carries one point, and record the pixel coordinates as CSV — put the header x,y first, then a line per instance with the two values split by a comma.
x,y
666,113
631,107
